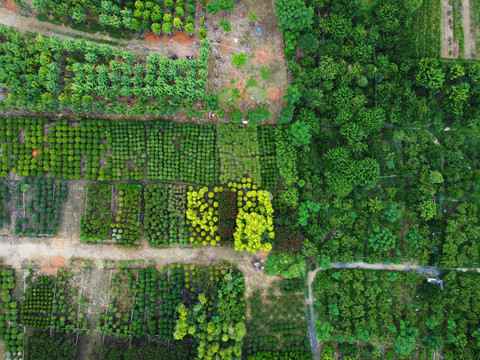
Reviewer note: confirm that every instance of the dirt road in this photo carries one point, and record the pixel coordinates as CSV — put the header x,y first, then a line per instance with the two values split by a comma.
x,y
469,31
450,49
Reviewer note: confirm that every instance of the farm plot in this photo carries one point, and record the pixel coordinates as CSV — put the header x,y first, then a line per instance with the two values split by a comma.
x,y
238,148
239,212
138,16
13,339
164,221
429,29
126,227
163,306
277,321
84,77
51,305
96,222
104,150
367,313
40,202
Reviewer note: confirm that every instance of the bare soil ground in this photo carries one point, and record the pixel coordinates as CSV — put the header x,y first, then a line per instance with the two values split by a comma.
x,y
450,48
470,40
263,81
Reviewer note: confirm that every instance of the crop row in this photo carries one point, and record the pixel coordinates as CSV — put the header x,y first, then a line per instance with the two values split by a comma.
x,y
34,204
51,74
9,317
247,152
104,150
278,320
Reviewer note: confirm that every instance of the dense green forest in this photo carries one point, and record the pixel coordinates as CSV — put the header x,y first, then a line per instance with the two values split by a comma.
x,y
385,142
358,308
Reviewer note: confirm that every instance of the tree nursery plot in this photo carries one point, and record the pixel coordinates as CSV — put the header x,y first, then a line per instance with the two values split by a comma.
x,y
358,310
51,74
165,220
96,222
106,150
50,306
40,202
278,320
151,16
183,304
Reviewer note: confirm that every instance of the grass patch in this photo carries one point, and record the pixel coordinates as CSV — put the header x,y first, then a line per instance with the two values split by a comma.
x,y
429,29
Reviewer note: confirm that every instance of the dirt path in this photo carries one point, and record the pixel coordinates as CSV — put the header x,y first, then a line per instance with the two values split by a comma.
x,y
469,31
312,335
450,49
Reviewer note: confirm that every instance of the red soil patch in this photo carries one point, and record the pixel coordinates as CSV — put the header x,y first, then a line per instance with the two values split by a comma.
x,y
58,261
263,54
227,46
35,153
49,270
274,94
10,5
179,38
51,267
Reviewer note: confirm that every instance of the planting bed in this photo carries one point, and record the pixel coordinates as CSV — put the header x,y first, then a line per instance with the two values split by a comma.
x,y
104,150
82,76
277,322
164,221
126,228
95,224
41,200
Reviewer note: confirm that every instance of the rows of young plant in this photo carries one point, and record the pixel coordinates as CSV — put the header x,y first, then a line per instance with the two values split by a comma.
x,y
205,302
239,211
149,16
358,310
105,150
126,225
41,200
53,303
164,220
247,152
4,199
96,222
48,74
10,333
278,320
35,204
